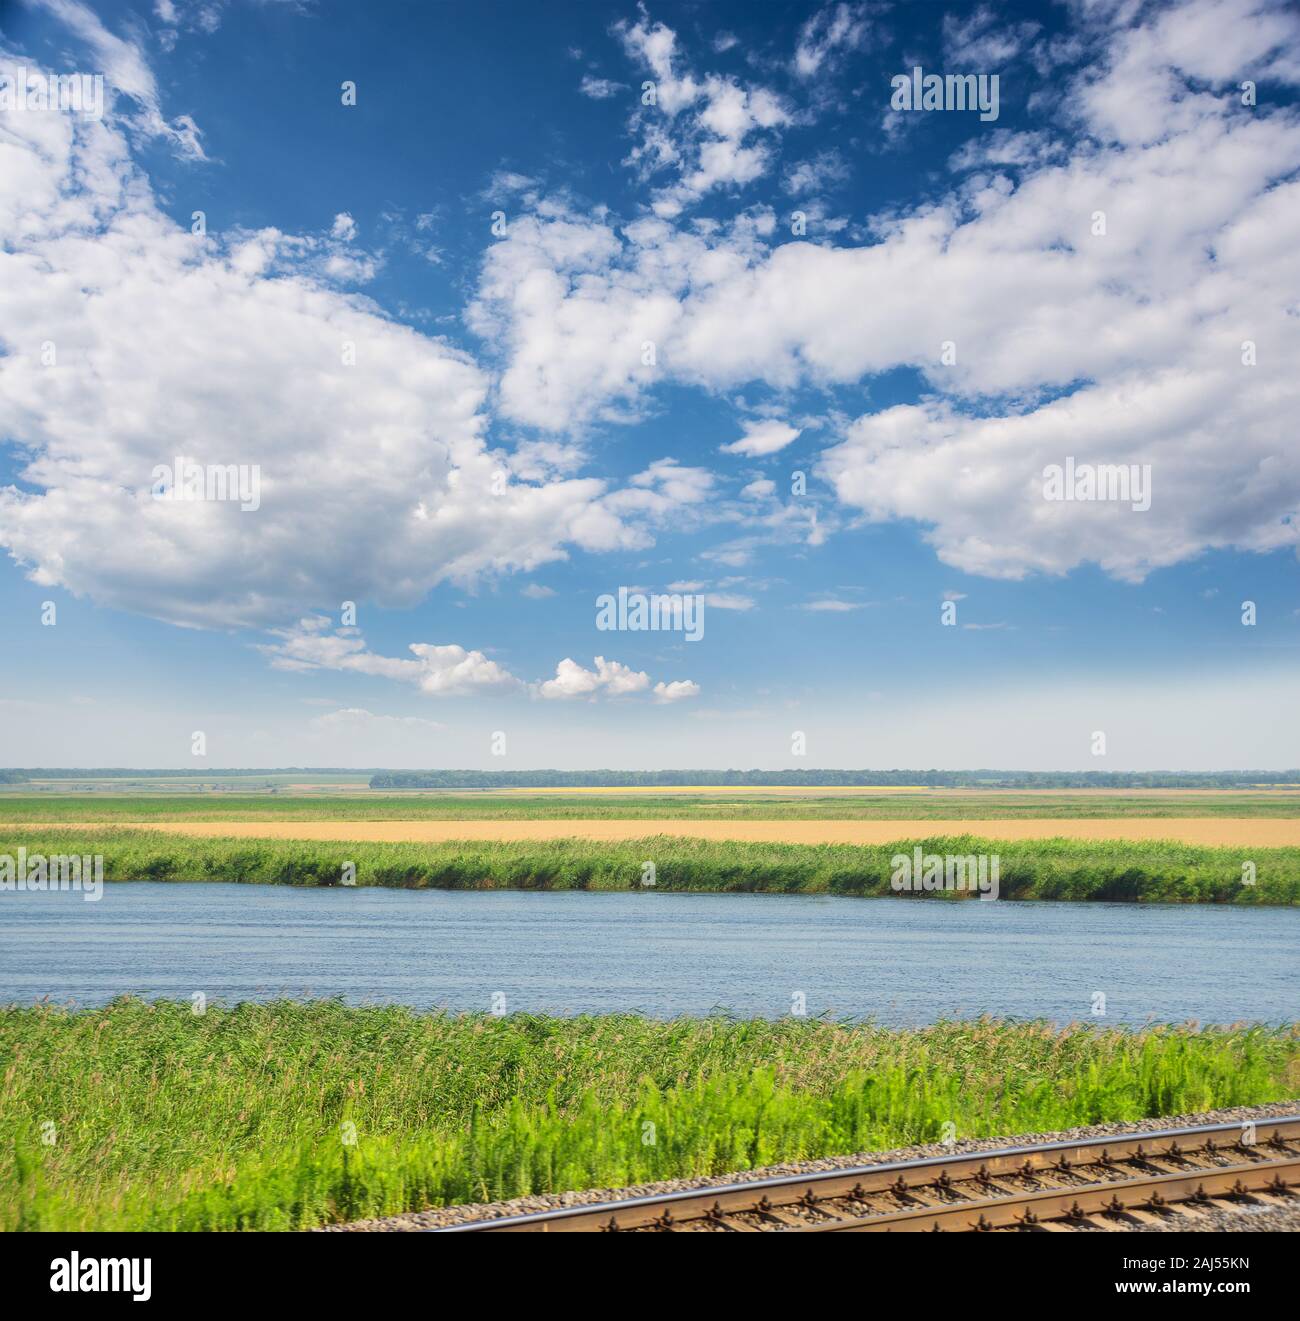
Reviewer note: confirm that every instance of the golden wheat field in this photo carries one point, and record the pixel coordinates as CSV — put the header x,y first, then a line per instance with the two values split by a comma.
x,y
1260,832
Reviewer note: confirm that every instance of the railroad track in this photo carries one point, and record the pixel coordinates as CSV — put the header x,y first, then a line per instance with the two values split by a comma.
x,y
1096,1184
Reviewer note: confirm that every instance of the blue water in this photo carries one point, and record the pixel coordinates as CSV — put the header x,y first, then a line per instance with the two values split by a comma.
x,y
900,961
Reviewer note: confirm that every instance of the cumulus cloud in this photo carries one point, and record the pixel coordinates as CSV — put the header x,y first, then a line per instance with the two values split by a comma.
x,y
1173,56
1122,346
709,130
1159,210
573,302
677,691
609,678
376,481
762,438
438,671
671,483
448,670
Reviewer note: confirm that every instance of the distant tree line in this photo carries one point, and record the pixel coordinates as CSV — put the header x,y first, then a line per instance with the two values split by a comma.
x,y
988,779
172,772
552,779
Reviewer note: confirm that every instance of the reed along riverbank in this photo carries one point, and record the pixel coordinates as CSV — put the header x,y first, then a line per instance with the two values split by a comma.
x,y
1152,871
286,1114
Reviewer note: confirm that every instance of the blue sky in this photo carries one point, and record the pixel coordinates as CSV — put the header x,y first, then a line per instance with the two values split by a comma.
x,y
796,251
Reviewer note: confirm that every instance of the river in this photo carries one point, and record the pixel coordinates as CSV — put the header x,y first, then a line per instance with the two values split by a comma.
x,y
903,962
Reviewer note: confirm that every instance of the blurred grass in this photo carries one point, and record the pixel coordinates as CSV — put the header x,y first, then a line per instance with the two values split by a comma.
x,y
162,1119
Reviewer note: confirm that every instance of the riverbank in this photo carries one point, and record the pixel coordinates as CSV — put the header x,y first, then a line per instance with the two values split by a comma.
x,y
1107,870
287,1115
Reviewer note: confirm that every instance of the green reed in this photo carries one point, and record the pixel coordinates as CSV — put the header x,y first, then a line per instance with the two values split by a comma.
x,y
149,1116
1113,870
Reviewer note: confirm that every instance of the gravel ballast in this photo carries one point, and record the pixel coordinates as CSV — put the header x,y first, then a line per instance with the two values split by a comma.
x,y
1284,1219
1259,1219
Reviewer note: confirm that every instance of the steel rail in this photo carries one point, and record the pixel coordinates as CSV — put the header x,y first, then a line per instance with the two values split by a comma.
x,y
1147,1193
921,1180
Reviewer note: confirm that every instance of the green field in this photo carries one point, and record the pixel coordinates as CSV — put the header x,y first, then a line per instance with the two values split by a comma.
x,y
141,1116
767,805
252,782
1114,870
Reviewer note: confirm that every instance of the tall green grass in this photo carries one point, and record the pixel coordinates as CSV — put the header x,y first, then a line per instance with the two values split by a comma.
x,y
1114,870
235,1119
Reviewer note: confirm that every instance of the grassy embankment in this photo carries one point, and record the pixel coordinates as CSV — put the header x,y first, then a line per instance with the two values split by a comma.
x,y
1118,871
157,1118
596,804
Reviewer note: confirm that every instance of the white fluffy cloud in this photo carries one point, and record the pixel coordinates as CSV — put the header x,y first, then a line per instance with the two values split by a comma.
x,y
450,670
377,482
438,671
609,678
574,301
710,131
1122,346
678,691
762,438
126,341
